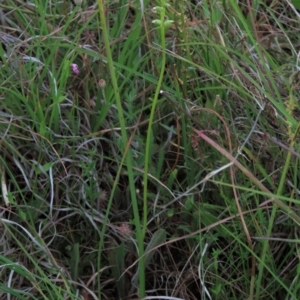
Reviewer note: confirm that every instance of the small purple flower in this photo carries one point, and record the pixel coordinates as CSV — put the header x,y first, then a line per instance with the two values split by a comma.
x,y
75,69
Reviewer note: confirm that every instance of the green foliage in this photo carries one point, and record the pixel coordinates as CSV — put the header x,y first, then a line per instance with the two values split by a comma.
x,y
296,3
167,163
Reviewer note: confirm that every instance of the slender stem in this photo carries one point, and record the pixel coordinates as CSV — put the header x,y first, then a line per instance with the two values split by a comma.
x,y
126,157
273,213
154,104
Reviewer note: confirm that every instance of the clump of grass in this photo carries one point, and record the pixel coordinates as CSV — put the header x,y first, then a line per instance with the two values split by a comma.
x,y
141,160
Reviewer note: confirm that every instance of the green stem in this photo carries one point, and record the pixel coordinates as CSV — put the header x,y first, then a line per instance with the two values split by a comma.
x,y
273,214
126,157
154,104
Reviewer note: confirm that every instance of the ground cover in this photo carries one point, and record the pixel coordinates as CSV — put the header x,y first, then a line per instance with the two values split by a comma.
x,y
149,150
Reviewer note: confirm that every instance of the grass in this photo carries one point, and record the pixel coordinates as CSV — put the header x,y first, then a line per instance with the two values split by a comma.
x,y
167,168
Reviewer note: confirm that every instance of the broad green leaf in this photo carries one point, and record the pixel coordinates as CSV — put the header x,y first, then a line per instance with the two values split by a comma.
x,y
158,238
296,3
116,259
74,261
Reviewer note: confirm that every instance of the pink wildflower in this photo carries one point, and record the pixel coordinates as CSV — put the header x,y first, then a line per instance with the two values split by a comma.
x,y
75,69
125,229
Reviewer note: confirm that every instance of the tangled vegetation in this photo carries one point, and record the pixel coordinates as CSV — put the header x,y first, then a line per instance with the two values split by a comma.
x,y
149,150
